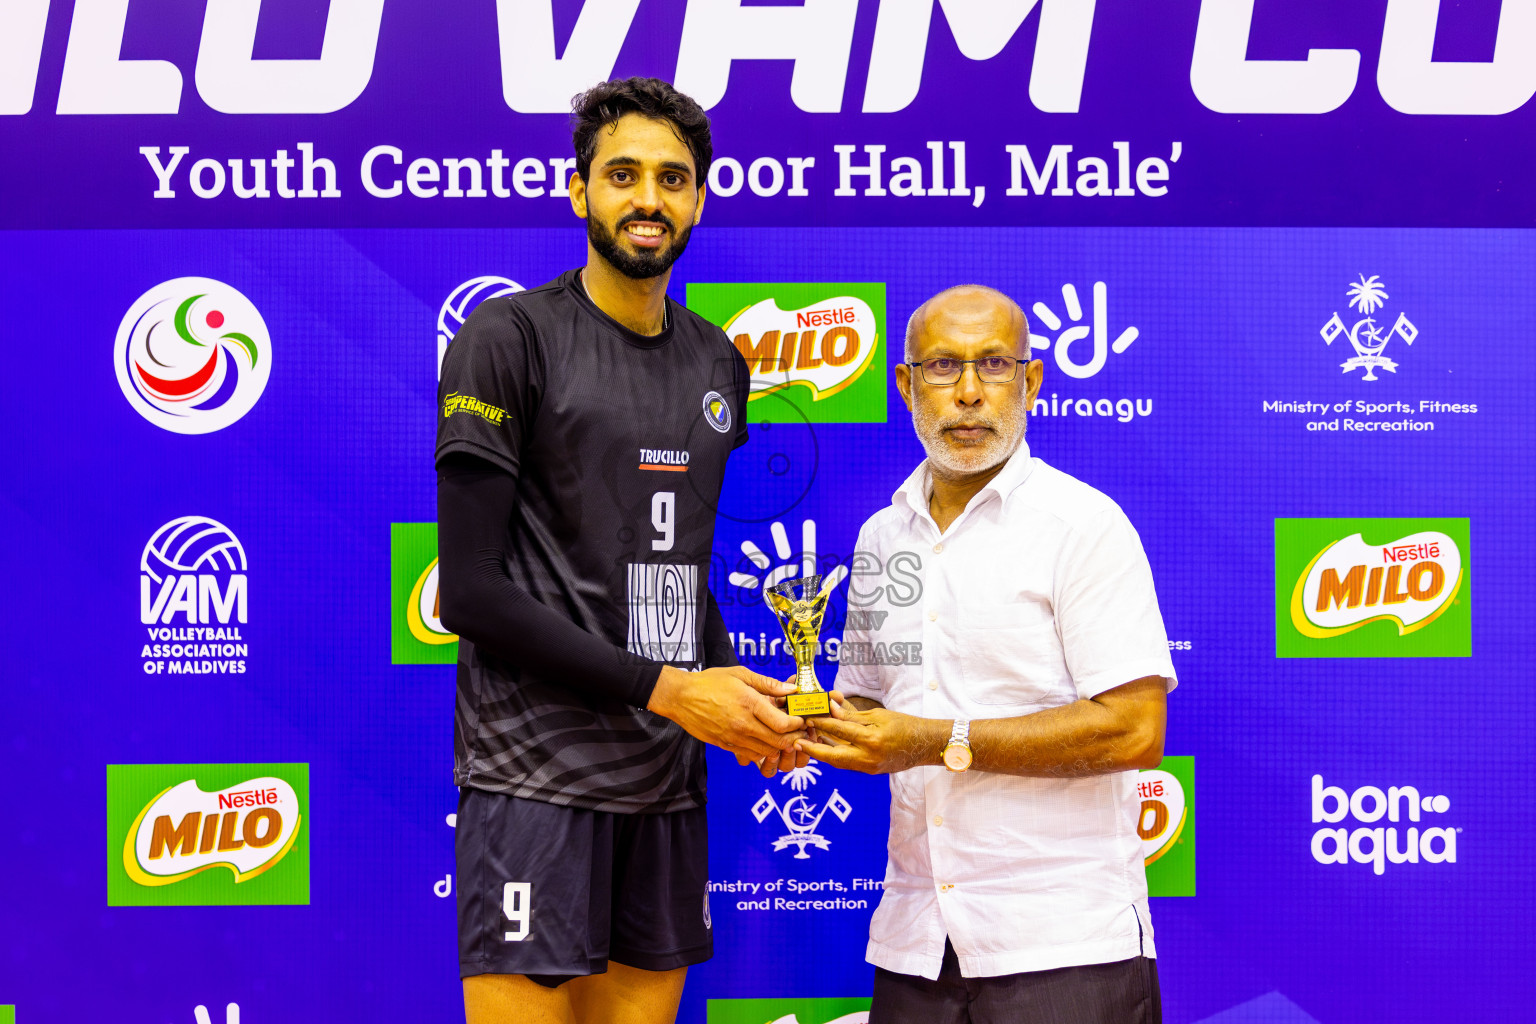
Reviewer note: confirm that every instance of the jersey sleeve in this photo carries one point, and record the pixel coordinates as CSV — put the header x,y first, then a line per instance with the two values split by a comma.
x,y
492,379
1107,614
743,393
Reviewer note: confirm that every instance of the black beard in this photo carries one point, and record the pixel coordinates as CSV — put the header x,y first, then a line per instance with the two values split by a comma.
x,y
640,266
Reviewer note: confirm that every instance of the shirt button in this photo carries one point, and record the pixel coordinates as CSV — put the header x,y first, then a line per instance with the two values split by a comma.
x,y
938,819
938,548
945,887
933,616
933,684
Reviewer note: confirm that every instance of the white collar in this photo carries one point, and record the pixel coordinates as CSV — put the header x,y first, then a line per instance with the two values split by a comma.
x,y
917,488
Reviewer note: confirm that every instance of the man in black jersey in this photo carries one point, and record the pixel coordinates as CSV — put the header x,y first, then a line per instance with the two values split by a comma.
x,y
582,441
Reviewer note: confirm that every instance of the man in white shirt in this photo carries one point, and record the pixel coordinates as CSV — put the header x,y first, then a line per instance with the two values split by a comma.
x,y
1015,889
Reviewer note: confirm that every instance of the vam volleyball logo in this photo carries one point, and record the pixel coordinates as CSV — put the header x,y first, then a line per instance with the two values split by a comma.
x,y
203,835
462,302
1165,823
193,599
1372,588
417,636
193,355
809,347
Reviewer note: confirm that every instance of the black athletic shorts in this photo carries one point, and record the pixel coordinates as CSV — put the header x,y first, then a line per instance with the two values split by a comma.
x,y
555,893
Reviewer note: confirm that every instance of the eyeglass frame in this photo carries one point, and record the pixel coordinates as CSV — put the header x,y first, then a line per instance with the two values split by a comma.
x,y
1017,362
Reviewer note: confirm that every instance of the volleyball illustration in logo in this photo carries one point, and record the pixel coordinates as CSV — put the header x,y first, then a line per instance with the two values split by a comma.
x,y
192,544
462,302
193,355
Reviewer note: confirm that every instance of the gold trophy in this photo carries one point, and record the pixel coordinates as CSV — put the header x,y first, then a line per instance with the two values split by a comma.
x,y
800,616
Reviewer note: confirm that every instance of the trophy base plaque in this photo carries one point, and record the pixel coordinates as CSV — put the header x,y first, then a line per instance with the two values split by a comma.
x,y
809,705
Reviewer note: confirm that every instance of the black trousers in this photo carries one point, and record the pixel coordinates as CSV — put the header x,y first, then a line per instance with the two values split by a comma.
x,y
1125,992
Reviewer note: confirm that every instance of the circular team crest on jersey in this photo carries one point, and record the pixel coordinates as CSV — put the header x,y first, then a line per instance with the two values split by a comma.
x,y
193,355
717,411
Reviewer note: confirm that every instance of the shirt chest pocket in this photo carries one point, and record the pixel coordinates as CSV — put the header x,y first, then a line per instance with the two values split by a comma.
x,y
1010,656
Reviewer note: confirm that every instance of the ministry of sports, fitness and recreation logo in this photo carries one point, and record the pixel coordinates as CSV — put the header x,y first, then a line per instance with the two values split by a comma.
x,y
800,812
207,834
1372,588
417,636
1366,296
193,598
192,355
809,347
461,302
1166,824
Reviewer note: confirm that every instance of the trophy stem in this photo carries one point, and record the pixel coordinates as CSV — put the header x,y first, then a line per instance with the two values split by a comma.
x,y
805,669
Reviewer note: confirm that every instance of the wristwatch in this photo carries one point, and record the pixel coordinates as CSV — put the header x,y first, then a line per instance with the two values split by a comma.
x,y
957,753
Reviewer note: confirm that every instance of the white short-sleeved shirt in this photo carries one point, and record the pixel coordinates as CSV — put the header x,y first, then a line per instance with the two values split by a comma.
x,y
1038,595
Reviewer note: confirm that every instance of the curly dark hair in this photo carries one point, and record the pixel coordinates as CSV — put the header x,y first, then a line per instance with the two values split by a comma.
x,y
605,103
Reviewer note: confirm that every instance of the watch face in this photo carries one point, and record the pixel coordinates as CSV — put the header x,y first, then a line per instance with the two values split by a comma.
x,y
957,758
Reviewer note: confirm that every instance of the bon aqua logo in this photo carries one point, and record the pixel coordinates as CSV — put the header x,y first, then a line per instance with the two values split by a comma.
x,y
417,636
1372,588
815,352
193,355
207,834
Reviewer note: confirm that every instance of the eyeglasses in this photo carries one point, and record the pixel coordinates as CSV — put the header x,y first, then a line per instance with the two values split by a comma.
x,y
941,371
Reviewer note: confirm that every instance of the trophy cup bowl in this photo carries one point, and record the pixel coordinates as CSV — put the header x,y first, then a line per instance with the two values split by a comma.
x,y
800,616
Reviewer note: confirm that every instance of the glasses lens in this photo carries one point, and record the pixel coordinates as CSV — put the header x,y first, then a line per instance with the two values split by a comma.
x,y
941,370
996,369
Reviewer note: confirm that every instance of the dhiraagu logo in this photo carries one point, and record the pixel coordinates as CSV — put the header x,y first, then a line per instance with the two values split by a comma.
x,y
1372,588
816,352
196,835
417,636
848,1010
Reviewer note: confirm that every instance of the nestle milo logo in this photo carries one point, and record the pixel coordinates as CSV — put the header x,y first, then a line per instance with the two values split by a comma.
x,y
1372,588
815,352
200,835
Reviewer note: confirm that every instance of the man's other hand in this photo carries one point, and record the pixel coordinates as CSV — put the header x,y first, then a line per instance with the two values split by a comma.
x,y
731,708
875,741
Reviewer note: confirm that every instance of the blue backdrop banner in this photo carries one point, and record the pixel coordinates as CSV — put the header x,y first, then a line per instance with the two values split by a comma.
x,y
1276,260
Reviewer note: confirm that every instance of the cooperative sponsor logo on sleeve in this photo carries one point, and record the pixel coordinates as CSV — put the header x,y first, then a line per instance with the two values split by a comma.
x,y
1373,843
462,302
193,593
848,1010
1372,588
207,834
1166,824
816,352
193,355
416,632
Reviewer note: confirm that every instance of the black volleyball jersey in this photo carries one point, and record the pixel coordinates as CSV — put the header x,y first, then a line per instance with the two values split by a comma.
x,y
619,443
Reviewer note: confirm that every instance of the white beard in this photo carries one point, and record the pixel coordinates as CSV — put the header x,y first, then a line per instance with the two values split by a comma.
x,y
964,460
